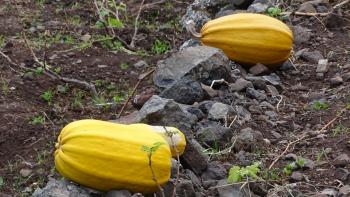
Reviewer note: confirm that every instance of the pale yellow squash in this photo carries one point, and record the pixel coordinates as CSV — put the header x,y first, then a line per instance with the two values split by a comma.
x,y
106,156
249,38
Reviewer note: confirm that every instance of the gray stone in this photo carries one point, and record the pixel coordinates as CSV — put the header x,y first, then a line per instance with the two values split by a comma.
x,y
344,191
196,13
272,115
189,43
161,111
311,56
287,65
276,135
195,180
272,91
174,166
319,76
267,105
301,34
25,172
60,188
85,37
308,163
342,160
341,174
330,192
185,188
243,4
214,171
322,66
232,190
307,7
291,156
247,139
336,81
214,134
259,69
258,82
141,64
227,10
255,109
258,8
194,158
297,176
202,63
210,91
205,106
239,85
274,80
243,114
118,193
255,94
346,76
185,91
220,111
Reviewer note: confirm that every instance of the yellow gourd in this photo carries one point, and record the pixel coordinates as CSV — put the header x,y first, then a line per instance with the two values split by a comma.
x,y
249,38
105,156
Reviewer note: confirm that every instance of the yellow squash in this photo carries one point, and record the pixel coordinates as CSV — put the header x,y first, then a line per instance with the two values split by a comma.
x,y
106,156
249,38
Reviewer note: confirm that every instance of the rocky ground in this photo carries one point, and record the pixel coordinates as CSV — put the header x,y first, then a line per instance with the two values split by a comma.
x,y
293,121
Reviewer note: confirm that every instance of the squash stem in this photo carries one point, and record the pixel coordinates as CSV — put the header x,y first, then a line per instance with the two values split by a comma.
x,y
190,27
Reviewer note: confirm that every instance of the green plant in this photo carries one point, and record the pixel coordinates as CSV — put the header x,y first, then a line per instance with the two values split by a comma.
x,y
5,87
340,129
47,96
2,182
78,100
57,70
124,66
274,12
75,20
320,154
289,168
38,120
119,98
68,39
39,70
108,14
160,47
2,41
236,173
347,106
319,105
98,83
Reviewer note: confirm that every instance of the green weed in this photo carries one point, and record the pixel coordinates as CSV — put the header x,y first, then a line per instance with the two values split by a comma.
x,y
340,129
2,41
160,47
237,174
124,66
38,120
5,87
318,105
47,96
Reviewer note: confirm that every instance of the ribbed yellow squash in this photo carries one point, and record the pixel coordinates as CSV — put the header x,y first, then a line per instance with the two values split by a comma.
x,y
249,38
106,156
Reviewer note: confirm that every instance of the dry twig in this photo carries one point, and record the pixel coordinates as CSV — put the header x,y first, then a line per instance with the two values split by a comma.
x,y
132,43
141,77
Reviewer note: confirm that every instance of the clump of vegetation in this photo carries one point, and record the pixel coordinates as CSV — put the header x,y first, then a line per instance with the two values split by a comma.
x,y
47,96
38,120
237,174
340,129
320,105
299,163
160,47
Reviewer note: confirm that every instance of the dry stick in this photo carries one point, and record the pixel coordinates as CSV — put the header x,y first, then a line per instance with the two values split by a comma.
x,y
134,90
154,175
312,13
132,43
301,138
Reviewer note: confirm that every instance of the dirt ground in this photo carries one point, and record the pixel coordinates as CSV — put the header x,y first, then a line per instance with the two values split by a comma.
x,y
29,124
34,107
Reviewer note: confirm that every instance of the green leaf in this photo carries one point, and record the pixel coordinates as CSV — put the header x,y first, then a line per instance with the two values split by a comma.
x,y
115,23
99,24
1,182
146,149
234,175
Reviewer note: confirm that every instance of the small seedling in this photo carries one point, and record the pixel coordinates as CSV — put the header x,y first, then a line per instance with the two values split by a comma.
x,y
39,70
47,96
58,70
299,163
320,154
2,182
98,83
318,105
124,66
38,120
5,87
160,47
340,129
236,173
78,100
2,41
274,11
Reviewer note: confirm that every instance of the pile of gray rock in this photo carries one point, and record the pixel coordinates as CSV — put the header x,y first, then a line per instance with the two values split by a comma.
x,y
216,103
